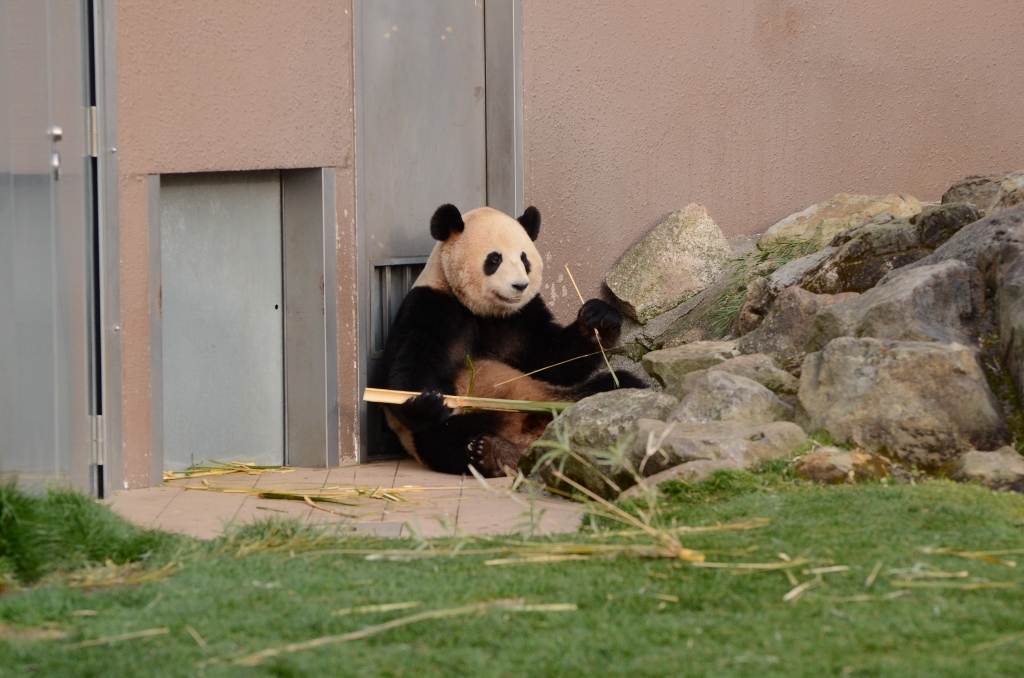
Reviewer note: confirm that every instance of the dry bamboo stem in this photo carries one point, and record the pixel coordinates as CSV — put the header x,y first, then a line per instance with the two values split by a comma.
x,y
388,396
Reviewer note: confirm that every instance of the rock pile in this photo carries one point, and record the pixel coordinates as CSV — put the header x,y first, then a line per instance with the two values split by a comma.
x,y
894,330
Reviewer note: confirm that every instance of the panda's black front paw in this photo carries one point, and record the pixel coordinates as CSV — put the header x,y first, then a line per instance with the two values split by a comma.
x,y
424,411
603,317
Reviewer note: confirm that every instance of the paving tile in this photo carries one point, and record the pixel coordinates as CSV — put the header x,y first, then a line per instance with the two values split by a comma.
x,y
254,508
200,514
141,506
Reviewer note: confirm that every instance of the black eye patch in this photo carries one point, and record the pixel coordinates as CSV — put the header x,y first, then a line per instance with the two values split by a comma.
x,y
492,263
526,262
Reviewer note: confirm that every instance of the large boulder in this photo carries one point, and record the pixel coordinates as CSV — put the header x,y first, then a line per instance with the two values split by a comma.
x,y
738,444
865,254
591,428
1002,469
784,333
940,302
723,396
675,261
974,244
831,466
758,367
978,189
920,402
1009,195
823,221
670,365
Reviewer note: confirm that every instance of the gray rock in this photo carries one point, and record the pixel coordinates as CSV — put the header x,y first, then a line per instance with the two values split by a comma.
x,y
755,306
1004,266
823,221
739,444
623,364
921,402
797,270
591,428
979,190
670,365
676,260
865,254
974,244
831,466
758,367
784,333
1009,195
940,302
1000,470
723,396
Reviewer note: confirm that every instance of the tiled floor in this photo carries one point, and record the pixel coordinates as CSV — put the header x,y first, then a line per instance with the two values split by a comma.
x,y
433,504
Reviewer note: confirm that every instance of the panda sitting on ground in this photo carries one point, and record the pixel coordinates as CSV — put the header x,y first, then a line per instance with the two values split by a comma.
x,y
478,296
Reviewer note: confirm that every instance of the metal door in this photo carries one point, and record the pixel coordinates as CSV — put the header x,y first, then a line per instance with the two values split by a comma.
x,y
421,143
220,302
45,244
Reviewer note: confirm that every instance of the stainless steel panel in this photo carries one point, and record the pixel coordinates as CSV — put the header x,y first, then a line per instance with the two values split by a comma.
x,y
44,245
503,26
421,115
309,387
220,303
420,137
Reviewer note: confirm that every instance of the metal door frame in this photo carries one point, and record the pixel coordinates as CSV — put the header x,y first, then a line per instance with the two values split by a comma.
x,y
503,115
107,430
309,204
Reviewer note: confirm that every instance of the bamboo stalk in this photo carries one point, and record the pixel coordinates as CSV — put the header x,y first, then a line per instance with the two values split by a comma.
x,y
596,333
388,396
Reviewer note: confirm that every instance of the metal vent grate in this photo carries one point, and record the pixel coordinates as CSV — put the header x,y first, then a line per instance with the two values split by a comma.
x,y
391,281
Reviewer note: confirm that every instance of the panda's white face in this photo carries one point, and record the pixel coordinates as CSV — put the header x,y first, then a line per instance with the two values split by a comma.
x,y
491,266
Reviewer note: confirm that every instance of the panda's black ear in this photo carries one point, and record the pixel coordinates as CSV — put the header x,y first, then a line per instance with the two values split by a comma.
x,y
531,221
446,220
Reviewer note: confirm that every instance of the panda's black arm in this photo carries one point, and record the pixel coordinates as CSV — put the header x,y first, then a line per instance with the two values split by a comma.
x,y
547,343
417,354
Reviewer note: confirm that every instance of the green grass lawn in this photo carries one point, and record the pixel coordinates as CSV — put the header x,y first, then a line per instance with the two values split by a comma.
x,y
628,620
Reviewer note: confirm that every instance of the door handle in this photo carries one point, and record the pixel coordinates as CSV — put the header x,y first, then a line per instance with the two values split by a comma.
x,y
55,165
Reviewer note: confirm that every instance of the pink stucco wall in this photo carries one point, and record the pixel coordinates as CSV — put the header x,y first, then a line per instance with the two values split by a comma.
x,y
755,108
228,85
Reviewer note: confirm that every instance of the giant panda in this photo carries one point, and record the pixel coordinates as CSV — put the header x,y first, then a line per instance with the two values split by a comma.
x,y
478,296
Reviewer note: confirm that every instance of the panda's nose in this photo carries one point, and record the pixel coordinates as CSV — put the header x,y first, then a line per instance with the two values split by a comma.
x,y
519,287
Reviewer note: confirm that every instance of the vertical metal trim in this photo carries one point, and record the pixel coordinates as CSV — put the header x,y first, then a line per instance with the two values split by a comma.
x,y
503,44
362,260
109,241
156,355
330,230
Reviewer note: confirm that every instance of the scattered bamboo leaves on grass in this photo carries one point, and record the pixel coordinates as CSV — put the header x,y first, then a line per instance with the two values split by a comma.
x,y
383,607
256,658
969,586
987,556
874,575
112,574
110,640
1005,640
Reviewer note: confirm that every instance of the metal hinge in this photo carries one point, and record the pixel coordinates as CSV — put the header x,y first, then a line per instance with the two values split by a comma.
x,y
98,449
93,133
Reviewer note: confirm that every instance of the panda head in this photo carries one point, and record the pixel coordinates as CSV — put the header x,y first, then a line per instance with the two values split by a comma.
x,y
487,258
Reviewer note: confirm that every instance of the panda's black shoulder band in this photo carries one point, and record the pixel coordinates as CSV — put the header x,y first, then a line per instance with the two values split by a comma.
x,y
446,220
531,221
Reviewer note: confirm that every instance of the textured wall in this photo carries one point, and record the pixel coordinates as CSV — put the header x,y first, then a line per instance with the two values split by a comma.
x,y
755,108
228,85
